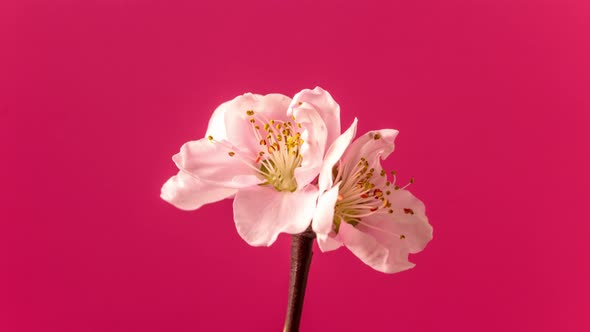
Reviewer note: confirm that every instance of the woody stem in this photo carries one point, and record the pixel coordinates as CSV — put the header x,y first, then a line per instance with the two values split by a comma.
x,y
301,253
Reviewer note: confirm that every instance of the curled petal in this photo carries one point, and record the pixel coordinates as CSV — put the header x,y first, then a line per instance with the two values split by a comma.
x,y
312,150
334,154
189,193
371,252
262,213
323,220
323,217
372,146
322,102
217,163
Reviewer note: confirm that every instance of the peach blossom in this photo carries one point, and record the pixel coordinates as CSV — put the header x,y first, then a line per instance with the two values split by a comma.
x,y
362,208
264,151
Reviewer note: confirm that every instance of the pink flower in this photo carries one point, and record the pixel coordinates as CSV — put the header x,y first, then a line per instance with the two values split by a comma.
x,y
361,208
264,151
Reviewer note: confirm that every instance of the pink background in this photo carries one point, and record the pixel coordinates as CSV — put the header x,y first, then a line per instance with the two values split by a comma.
x,y
491,99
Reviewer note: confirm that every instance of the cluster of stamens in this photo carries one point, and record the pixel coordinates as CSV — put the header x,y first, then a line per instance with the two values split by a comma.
x,y
279,154
360,195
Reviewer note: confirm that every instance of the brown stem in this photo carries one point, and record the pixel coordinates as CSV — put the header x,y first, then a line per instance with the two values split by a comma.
x,y
301,253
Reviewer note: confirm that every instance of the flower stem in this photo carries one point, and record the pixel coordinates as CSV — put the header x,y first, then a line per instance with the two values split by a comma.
x,y
301,253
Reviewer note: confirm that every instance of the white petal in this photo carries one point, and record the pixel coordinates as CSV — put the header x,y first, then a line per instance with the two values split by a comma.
x,y
312,150
334,154
188,193
211,162
323,217
261,213
328,242
371,252
322,102
216,127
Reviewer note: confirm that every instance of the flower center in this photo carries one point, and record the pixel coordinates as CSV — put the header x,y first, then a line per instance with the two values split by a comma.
x,y
361,193
280,143
279,155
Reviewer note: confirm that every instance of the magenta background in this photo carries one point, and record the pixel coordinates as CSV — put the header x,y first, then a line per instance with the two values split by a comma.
x,y
491,99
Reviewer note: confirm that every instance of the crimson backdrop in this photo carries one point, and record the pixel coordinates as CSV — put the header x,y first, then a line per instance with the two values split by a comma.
x,y
491,99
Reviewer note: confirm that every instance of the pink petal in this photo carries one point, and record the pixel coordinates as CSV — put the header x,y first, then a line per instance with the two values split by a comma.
x,y
211,162
328,242
372,145
261,213
240,131
188,193
312,150
323,217
408,220
333,155
323,220
371,252
216,127
323,103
